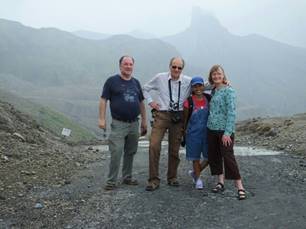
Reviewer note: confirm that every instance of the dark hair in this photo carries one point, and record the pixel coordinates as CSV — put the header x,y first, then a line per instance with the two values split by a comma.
x,y
121,59
173,58
214,69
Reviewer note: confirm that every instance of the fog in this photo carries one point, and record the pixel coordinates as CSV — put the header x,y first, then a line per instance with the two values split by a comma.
x,y
284,21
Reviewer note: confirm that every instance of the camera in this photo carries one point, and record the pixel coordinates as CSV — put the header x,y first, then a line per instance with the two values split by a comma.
x,y
175,114
173,106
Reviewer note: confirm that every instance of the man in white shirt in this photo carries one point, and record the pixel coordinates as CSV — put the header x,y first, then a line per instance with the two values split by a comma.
x,y
171,88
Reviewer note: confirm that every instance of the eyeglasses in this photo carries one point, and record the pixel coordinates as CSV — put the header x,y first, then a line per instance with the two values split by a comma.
x,y
176,67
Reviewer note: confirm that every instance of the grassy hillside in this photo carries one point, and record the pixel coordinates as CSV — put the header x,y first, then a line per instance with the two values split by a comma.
x,y
48,118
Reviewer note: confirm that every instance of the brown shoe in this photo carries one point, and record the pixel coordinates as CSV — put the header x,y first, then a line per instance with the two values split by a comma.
x,y
130,182
173,183
152,186
109,187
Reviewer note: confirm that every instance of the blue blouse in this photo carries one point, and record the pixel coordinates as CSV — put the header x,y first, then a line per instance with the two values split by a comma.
x,y
222,110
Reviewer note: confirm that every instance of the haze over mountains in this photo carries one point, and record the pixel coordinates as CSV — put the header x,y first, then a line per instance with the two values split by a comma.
x,y
269,76
66,72
91,35
100,36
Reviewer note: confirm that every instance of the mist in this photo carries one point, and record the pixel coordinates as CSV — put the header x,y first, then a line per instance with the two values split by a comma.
x,y
261,45
284,21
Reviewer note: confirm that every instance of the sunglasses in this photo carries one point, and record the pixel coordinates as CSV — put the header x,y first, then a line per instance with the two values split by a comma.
x,y
176,67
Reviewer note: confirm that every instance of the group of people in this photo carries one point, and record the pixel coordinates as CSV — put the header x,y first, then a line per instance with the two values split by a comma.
x,y
180,107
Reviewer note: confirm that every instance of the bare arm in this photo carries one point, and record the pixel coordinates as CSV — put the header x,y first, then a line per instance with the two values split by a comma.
x,y
143,124
102,111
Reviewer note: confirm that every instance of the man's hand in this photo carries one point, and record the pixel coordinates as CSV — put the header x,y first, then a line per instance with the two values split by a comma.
x,y
226,140
102,124
183,131
154,105
143,129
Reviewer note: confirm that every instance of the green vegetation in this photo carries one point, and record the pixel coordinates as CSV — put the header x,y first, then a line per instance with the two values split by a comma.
x,y
55,122
48,118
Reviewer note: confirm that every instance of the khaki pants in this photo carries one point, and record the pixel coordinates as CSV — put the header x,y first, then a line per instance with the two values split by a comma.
x,y
123,139
162,123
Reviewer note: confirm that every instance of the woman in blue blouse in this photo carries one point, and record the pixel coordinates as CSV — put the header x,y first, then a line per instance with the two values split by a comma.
x,y
221,128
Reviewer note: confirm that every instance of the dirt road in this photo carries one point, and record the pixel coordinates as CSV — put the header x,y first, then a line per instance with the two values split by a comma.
x,y
276,188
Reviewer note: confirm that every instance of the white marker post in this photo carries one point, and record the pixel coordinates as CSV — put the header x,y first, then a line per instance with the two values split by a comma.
x,y
66,132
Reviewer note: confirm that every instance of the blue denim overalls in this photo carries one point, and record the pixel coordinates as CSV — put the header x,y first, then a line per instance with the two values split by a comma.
x,y
196,135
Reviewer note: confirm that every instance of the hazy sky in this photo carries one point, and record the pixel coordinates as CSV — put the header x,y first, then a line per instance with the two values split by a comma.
x,y
278,19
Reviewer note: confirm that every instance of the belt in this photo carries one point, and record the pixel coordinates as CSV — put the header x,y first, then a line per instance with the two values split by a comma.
x,y
126,120
165,111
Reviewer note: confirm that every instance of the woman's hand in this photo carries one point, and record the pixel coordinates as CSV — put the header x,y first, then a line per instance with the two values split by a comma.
x,y
226,140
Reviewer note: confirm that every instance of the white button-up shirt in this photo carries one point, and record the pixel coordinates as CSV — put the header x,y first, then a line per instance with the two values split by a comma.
x,y
157,89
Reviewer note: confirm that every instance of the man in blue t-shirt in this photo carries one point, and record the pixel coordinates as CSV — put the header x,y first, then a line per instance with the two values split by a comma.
x,y
126,103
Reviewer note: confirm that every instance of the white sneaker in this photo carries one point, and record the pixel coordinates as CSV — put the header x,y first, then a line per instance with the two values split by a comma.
x,y
191,173
199,184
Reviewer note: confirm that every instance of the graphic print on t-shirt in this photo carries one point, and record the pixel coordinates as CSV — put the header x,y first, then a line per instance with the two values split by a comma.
x,y
130,95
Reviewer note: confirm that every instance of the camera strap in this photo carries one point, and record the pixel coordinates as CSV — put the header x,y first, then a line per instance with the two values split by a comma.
x,y
170,91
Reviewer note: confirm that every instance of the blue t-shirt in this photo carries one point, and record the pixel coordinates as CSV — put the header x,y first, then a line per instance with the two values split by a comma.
x,y
124,96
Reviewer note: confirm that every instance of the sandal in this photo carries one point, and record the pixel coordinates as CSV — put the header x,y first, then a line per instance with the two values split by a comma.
x,y
241,194
173,183
152,186
218,188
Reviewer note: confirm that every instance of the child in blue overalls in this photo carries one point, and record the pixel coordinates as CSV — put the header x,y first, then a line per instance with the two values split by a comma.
x,y
195,127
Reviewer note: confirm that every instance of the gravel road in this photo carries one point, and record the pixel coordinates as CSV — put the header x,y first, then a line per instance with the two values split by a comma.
x,y
275,184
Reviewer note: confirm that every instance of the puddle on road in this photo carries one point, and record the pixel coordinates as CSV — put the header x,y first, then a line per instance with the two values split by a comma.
x,y
239,150
251,151
146,143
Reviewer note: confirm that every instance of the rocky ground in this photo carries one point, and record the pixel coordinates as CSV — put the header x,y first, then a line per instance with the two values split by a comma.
x,y
45,183
283,133
31,160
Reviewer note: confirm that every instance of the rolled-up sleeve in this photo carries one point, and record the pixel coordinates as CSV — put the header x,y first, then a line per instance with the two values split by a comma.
x,y
149,86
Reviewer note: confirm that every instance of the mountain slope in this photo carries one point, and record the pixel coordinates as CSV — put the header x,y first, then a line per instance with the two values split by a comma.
x,y
90,35
48,118
58,69
66,72
50,57
269,76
